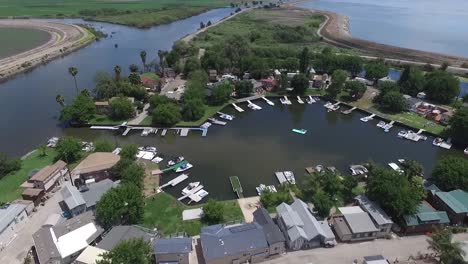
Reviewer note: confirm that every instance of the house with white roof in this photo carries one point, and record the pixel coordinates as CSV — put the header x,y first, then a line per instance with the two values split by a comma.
x,y
353,224
12,218
381,220
300,228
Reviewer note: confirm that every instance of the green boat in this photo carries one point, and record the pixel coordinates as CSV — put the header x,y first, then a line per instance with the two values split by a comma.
x,y
299,131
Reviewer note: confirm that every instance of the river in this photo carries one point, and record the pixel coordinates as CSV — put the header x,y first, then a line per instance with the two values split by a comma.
x,y
429,25
256,144
27,103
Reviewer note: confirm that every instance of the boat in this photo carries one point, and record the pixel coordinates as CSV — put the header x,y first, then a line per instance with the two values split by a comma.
x,y
401,161
190,187
87,146
184,167
52,142
299,131
206,125
466,151
402,133
290,177
117,151
148,148
437,142
145,133
202,194
226,116
395,167
319,168
263,188
316,98
157,159
310,100
174,161
381,124
358,170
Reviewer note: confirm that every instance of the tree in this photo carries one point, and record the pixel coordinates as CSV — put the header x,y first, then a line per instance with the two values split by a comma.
x,y
441,86
272,199
191,64
133,174
193,109
103,145
213,212
459,124
129,152
376,70
73,71
393,101
133,250
412,168
411,81
121,108
134,78
162,54
8,165
133,68
300,83
322,203
356,89
143,59
451,172
339,77
158,99
166,115
291,64
81,110
117,72
69,149
449,251
304,60
243,88
42,148
60,100
221,93
122,205
333,90
235,49
283,82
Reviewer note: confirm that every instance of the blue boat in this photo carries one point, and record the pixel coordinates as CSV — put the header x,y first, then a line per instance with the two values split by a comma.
x,y
299,131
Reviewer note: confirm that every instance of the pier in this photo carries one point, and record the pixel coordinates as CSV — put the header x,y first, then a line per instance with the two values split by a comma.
x,y
240,110
347,112
299,100
367,118
164,132
236,186
245,99
285,100
175,181
268,101
184,132
253,106
191,193
420,131
281,178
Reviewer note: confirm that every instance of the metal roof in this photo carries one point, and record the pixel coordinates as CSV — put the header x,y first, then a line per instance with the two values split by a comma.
x,y
457,200
272,232
425,214
377,214
96,190
177,245
71,196
121,233
8,214
358,220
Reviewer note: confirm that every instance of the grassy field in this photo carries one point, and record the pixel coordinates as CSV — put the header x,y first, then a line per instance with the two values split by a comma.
x,y
17,40
416,121
104,120
165,213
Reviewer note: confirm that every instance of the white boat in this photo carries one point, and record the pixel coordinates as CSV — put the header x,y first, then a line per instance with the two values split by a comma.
x,y
206,125
226,116
395,167
190,187
52,142
358,170
87,146
262,188
202,193
402,133
437,142
381,124
147,131
147,155
148,149
174,161
319,168
466,151
184,167
290,177
316,98
310,100
117,151
401,161
157,159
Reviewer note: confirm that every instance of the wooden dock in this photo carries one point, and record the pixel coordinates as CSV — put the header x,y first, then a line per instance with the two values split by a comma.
x,y
126,131
245,99
175,181
236,186
299,100
268,101
420,131
193,191
347,112
240,110
281,178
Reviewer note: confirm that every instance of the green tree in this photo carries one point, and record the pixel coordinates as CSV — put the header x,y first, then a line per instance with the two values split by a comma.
x,y
143,59
459,125
291,64
283,82
69,149
8,165
235,49
121,108
73,71
80,111
451,172
449,251
193,109
393,102
299,83
60,100
133,68
103,145
322,203
158,99
166,115
411,81
129,152
221,93
42,148
441,86
133,250
270,200
339,77
356,89
162,54
133,174
333,90
243,88
304,60
191,64
117,72
213,212
376,70
134,78
412,168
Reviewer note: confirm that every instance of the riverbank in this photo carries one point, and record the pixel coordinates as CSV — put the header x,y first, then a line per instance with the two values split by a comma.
x,y
64,39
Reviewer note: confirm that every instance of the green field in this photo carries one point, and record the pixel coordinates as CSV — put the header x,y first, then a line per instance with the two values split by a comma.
x,y
17,40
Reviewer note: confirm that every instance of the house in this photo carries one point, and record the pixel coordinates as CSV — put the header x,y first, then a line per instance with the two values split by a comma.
x,y
102,107
90,255
63,243
92,193
73,200
300,227
411,103
149,82
424,220
274,236
353,224
269,84
378,259
454,203
124,232
381,220
32,194
12,218
213,75
49,176
317,81
233,244
172,250
96,167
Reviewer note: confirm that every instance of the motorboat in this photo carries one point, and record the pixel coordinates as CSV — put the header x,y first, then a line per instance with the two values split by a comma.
x,y
148,148
319,168
157,159
190,187
358,170
310,100
401,161
52,142
402,134
174,161
466,151
206,125
381,124
437,142
87,146
184,167
290,177
226,116
202,194
395,167
316,98
263,188
300,131
117,151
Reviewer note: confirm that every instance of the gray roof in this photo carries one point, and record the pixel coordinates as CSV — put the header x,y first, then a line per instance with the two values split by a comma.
x,y
377,214
272,232
71,196
96,190
121,233
218,241
360,222
45,246
9,213
177,245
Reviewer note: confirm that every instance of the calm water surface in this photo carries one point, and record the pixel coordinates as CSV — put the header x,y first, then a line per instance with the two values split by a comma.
x,y
430,25
256,144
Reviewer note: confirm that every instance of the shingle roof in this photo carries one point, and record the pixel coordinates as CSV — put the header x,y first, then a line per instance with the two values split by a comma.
x,y
218,241
121,233
457,200
178,245
358,220
9,213
71,196
96,190
97,161
377,214
48,171
272,232
426,214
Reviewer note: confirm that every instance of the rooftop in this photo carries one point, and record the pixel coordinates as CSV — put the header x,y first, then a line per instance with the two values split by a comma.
x,y
426,214
377,214
8,214
96,190
121,233
358,220
272,232
378,259
90,255
457,200
97,161
177,245
71,196
48,171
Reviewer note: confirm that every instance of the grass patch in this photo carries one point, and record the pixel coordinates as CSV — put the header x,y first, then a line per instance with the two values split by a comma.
x,y
164,212
151,75
209,112
104,120
416,121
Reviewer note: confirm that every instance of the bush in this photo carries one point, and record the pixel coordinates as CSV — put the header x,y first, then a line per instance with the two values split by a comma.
x,y
69,149
166,115
213,212
103,146
451,173
393,101
121,108
8,165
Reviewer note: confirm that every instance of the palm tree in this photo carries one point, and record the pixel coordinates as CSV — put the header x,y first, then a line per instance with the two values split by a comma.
x,y
117,71
442,244
162,60
73,72
143,59
60,99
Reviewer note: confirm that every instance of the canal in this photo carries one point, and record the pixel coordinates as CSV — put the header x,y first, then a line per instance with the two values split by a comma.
x,y
256,144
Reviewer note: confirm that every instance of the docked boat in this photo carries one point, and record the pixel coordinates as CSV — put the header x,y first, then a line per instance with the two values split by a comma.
x,y
316,98
290,177
147,131
263,188
174,161
310,100
401,161
381,124
206,125
184,167
148,148
52,142
300,131
319,168
117,151
358,170
395,167
440,142
190,187
225,116
87,146
466,151
285,100
402,133
157,159
437,142
202,194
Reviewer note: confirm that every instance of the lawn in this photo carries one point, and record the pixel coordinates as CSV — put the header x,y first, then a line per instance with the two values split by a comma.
x,y
104,120
164,212
209,112
10,183
416,121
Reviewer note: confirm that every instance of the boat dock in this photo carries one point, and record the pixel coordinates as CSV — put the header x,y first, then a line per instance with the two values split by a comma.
x,y
253,106
184,132
175,181
217,122
299,100
191,194
236,186
367,118
281,178
347,112
387,127
175,167
268,101
237,108
420,131
127,130
286,101
164,132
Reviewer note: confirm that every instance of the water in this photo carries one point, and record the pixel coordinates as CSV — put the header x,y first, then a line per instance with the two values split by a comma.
x,y
430,25
256,144
27,103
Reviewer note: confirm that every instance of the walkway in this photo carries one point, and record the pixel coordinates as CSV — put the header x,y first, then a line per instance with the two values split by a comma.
x,y
138,119
248,206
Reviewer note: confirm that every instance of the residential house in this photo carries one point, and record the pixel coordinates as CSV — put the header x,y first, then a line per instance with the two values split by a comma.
x,y
435,113
269,84
213,75
300,228
274,236
73,200
102,107
317,81
411,103
90,255
96,167
172,250
454,203
424,220
148,82
33,194
381,220
353,224
63,243
234,244
124,232
92,193
12,218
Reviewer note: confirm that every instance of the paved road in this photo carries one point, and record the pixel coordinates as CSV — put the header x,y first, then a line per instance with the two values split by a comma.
x,y
137,120
18,248
400,248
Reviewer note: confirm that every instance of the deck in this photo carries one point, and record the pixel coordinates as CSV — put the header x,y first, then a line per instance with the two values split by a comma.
x,y
236,186
175,181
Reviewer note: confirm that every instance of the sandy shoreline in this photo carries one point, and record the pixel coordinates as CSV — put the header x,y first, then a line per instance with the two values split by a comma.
x,y
64,39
